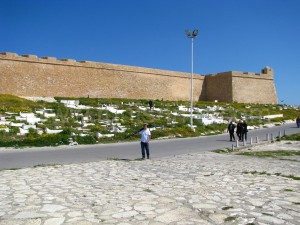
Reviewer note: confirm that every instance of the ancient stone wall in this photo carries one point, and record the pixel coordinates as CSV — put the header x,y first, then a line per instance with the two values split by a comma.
x,y
28,75
32,76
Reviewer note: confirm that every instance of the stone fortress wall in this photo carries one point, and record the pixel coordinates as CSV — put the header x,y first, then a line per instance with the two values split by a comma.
x,y
28,75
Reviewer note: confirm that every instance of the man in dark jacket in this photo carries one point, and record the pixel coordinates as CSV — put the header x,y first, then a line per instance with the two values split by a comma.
x,y
244,131
239,128
230,129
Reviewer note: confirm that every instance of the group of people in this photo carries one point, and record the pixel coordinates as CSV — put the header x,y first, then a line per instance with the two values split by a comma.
x,y
241,130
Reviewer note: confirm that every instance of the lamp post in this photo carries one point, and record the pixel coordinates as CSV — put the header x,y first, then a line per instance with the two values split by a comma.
x,y
192,36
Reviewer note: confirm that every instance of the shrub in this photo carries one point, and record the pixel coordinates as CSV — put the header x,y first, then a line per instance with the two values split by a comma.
x,y
43,140
85,139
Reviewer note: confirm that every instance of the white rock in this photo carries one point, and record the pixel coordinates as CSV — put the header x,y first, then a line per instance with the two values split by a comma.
x,y
143,208
54,221
271,219
52,208
174,215
28,215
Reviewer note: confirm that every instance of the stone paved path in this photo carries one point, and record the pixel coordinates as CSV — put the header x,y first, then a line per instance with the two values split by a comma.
x,y
206,188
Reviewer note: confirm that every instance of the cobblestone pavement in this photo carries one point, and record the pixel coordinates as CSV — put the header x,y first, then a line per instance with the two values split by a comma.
x,y
206,188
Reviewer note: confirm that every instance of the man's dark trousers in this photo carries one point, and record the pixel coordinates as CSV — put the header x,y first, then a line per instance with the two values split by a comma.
x,y
231,133
145,146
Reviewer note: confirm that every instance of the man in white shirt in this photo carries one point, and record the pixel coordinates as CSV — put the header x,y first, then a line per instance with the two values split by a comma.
x,y
145,138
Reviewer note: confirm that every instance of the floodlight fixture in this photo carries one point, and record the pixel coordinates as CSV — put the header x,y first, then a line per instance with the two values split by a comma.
x,y
195,33
188,33
191,35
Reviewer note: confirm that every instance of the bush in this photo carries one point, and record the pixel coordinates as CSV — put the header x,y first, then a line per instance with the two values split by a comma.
x,y
85,139
40,141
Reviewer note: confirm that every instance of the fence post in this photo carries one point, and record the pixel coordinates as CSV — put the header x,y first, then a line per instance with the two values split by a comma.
x,y
237,143
268,137
257,140
251,141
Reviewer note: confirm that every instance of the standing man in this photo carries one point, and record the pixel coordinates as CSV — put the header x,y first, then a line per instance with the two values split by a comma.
x,y
230,129
239,128
145,138
244,131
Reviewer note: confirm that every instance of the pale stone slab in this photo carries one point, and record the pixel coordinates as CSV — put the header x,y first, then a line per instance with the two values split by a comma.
x,y
28,215
218,218
54,221
271,219
144,208
75,214
34,222
174,215
52,208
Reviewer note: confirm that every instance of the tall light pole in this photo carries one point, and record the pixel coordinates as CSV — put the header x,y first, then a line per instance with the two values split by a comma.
x,y
192,36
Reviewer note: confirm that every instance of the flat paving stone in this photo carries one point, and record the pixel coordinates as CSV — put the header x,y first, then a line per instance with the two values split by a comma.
x,y
205,188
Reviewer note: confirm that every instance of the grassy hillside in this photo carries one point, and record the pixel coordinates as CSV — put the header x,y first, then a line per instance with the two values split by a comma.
x,y
11,103
83,125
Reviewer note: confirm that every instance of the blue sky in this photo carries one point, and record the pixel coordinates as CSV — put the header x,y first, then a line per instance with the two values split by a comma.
x,y
238,35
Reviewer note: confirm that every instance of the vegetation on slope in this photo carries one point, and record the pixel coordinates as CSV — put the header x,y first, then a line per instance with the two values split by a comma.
x,y
168,125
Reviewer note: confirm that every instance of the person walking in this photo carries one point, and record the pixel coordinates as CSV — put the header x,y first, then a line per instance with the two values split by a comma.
x,y
145,139
244,130
239,128
230,129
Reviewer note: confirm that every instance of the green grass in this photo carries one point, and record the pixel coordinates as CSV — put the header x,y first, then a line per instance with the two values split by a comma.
x,y
269,174
227,207
275,153
11,103
291,177
292,137
230,218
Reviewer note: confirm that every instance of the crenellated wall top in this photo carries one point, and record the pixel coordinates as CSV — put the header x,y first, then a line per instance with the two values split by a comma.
x,y
265,74
91,64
